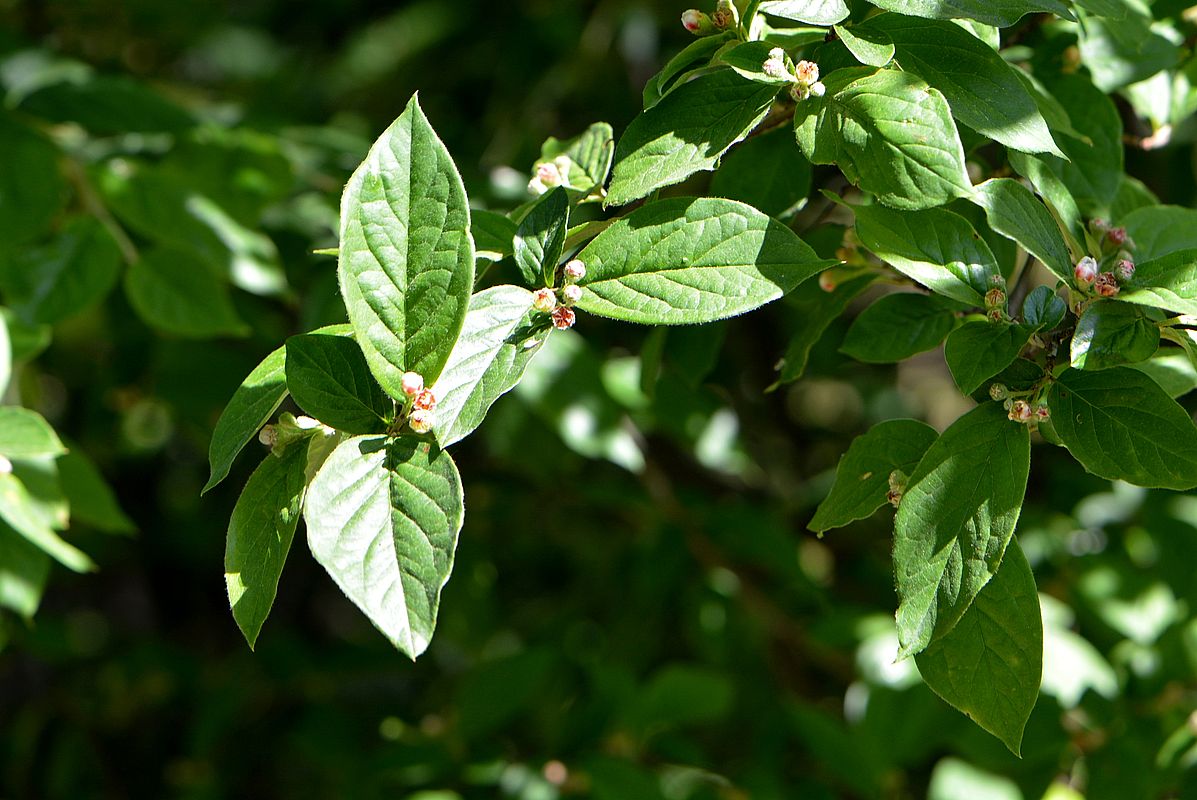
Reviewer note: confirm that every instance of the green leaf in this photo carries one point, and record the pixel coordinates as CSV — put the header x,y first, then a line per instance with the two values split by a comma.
x,y
1172,370
90,499
328,378
1056,195
497,342
1160,230
24,569
978,350
5,356
813,311
251,406
871,46
1121,425
32,190
862,476
259,537
686,132
936,247
18,510
981,88
540,238
695,55
1119,52
748,60
1002,13
955,520
109,104
590,154
897,326
1043,309
767,172
1110,333
812,12
493,234
24,433
1014,212
173,290
1168,282
1093,172
989,666
889,133
383,517
685,261
73,271
406,263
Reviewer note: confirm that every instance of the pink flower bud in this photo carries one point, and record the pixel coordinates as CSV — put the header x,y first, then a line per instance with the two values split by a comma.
x,y
421,420
1085,271
1020,411
1126,269
425,400
775,65
827,281
1117,235
1042,413
544,300
563,318
799,91
995,315
995,298
1098,225
572,294
413,383
692,20
575,270
998,281
807,72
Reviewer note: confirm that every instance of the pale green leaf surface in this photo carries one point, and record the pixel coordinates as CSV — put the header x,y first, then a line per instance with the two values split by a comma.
x,y
1173,370
5,356
1110,333
24,433
1168,282
812,12
590,152
1160,230
870,45
19,511
1014,212
1094,169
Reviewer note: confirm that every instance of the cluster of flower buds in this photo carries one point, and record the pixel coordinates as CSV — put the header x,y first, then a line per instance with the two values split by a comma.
x,y
1106,283
995,301
550,174
725,17
804,75
897,487
1023,412
288,429
423,402
557,303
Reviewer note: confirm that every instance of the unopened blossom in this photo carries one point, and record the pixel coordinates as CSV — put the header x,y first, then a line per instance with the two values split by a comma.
x,y
267,436
995,298
1106,284
1117,236
827,281
1042,413
425,400
807,72
564,318
995,315
1085,271
421,420
575,270
1020,411
571,294
726,15
1126,269
998,391
550,174
544,300
775,65
693,19
5,466
412,383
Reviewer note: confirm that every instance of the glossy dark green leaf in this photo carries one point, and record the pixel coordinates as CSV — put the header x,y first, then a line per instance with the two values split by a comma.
x,y
685,261
767,172
955,520
889,133
540,238
1094,170
329,379
493,233
1168,282
1043,309
1014,212
1110,333
1121,425
897,326
260,533
1160,230
989,666
937,248
686,132
74,270
748,60
862,476
406,263
978,350
173,290
1002,13
383,517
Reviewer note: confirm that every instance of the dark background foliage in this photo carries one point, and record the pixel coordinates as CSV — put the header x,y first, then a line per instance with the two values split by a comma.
x,y
637,609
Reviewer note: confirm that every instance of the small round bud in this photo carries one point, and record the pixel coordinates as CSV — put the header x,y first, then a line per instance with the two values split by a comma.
x,y
1117,236
544,300
827,281
995,315
692,20
807,72
817,89
799,91
563,318
1042,413
1098,225
421,420
268,435
575,270
1106,284
572,294
1126,269
1020,411
425,400
726,15
998,281
998,391
894,497
306,423
995,298
413,383
1085,271
5,466
775,65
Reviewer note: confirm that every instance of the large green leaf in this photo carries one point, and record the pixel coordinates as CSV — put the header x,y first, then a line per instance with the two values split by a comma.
x,y
493,233
1094,168
978,350
172,289
1121,425
24,569
862,476
897,326
1111,333
980,86
989,666
329,379
383,517
889,133
406,262
936,247
260,533
498,340
1014,212
1123,51
540,238
251,406
812,12
20,511
73,271
870,45
1159,230
32,190
767,172
24,433
1002,13
686,132
685,260
955,520
1168,282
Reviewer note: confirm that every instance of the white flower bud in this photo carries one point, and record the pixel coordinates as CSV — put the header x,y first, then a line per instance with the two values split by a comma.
x,y
1085,271
817,89
572,294
575,270
413,383
421,420
807,72
544,300
775,65
267,436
